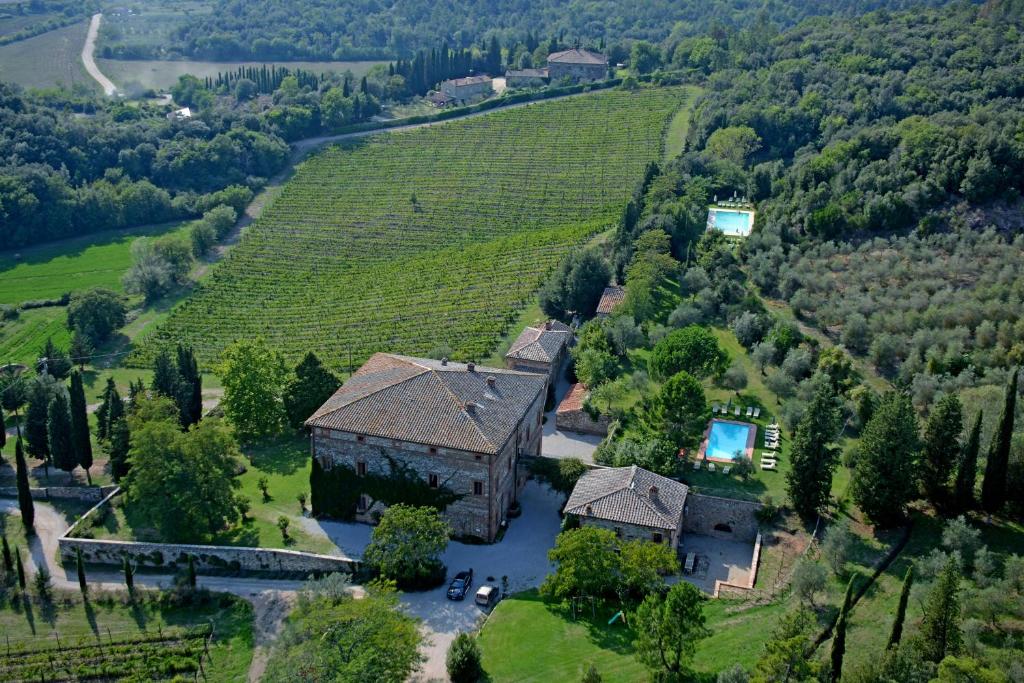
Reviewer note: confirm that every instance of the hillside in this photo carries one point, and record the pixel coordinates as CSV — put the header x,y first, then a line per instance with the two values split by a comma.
x,y
432,237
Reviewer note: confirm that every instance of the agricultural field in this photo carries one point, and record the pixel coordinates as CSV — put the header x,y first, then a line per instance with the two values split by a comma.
x,y
411,240
161,75
50,270
21,338
51,59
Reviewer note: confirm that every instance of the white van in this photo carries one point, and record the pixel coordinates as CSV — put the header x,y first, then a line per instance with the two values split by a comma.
x,y
485,595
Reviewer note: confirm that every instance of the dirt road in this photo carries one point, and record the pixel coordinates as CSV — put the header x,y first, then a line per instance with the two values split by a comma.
x,y
88,49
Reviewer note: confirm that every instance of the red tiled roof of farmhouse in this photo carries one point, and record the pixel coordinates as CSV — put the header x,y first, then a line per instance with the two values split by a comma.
x,y
541,343
612,297
576,56
630,495
573,401
439,403
469,80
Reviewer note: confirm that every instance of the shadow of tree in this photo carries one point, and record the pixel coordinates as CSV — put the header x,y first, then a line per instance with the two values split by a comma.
x,y
282,455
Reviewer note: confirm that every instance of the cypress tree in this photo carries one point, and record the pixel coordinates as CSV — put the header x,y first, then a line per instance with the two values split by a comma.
x,y
58,428
839,637
940,627
809,480
993,486
8,558
129,574
884,479
20,567
119,444
25,504
190,387
36,416
940,447
901,610
316,486
80,566
102,412
3,429
165,376
80,425
967,469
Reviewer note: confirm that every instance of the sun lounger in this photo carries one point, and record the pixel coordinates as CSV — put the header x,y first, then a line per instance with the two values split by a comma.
x,y
691,560
714,409
726,469
696,464
750,412
711,467
737,411
757,412
768,465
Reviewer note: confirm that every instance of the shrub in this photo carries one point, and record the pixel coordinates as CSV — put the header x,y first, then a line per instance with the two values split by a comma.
x,y
463,660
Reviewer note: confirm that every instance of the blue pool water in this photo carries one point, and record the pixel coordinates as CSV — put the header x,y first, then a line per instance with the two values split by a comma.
x,y
734,223
726,439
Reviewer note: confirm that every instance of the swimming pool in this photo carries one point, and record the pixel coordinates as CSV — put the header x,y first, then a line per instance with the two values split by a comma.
x,y
727,438
730,222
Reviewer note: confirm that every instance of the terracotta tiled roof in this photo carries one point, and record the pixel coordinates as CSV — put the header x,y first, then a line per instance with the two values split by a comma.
x,y
468,80
623,494
542,343
573,401
610,298
431,402
577,57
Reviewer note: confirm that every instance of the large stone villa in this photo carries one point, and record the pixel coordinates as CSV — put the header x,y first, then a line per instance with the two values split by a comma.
x,y
458,426
577,65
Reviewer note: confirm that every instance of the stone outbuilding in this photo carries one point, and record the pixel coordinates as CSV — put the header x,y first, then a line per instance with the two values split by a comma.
x,y
632,502
526,78
577,65
542,349
468,88
610,299
570,415
459,427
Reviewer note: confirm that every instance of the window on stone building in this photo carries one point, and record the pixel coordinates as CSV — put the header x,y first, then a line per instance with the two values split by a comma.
x,y
361,468
433,450
432,480
478,488
656,537
360,438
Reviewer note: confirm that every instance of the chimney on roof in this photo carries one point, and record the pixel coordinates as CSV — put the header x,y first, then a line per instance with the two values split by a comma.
x,y
653,493
491,381
470,407
471,366
590,510
444,360
547,325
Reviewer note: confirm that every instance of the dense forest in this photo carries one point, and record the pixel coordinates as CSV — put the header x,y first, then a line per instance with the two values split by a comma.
x,y
366,29
886,157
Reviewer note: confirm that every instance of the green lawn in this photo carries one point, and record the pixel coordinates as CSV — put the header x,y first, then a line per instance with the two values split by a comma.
x,y
97,620
22,338
675,138
50,270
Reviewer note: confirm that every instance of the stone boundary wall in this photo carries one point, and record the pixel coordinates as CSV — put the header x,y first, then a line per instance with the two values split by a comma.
x,y
208,559
88,494
703,513
578,421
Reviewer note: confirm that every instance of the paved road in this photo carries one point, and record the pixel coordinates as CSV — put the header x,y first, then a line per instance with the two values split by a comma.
x,y
87,57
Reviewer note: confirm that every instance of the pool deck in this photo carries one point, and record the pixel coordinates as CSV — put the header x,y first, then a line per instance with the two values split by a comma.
x,y
751,438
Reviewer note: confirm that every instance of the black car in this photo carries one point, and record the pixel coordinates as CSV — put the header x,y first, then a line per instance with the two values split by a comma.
x,y
459,586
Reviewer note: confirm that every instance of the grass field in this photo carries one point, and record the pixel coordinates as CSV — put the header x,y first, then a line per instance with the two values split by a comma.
x,y
675,139
439,235
95,623
21,339
51,59
161,75
50,270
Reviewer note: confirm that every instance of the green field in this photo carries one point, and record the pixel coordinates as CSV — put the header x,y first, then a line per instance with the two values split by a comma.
x,y
21,339
51,59
50,270
438,235
161,75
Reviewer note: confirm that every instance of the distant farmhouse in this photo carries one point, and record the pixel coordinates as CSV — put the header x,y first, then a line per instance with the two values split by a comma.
x,y
577,65
463,90
526,78
541,349
632,502
182,114
460,427
610,298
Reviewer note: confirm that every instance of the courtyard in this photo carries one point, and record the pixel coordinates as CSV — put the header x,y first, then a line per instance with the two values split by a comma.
x,y
716,559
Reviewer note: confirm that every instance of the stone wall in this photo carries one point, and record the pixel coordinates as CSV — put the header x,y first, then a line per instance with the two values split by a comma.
x,y
208,559
578,421
577,72
632,532
88,494
724,518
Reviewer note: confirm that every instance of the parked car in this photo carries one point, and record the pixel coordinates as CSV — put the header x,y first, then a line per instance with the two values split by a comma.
x,y
459,586
485,595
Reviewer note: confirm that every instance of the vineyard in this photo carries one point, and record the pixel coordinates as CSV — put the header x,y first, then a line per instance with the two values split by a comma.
x,y
436,236
148,657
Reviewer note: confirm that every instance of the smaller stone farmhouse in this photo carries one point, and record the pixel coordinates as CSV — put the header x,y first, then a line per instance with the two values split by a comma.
x,y
541,349
612,297
577,65
469,88
634,503
457,426
526,78
570,415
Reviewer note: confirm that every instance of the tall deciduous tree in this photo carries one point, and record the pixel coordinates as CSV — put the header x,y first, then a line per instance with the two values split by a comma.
x,y
407,544
80,425
96,314
940,634
692,349
809,480
785,657
253,376
884,479
311,385
25,504
967,469
576,286
588,562
941,447
679,410
668,628
901,609
993,486
53,361
58,429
